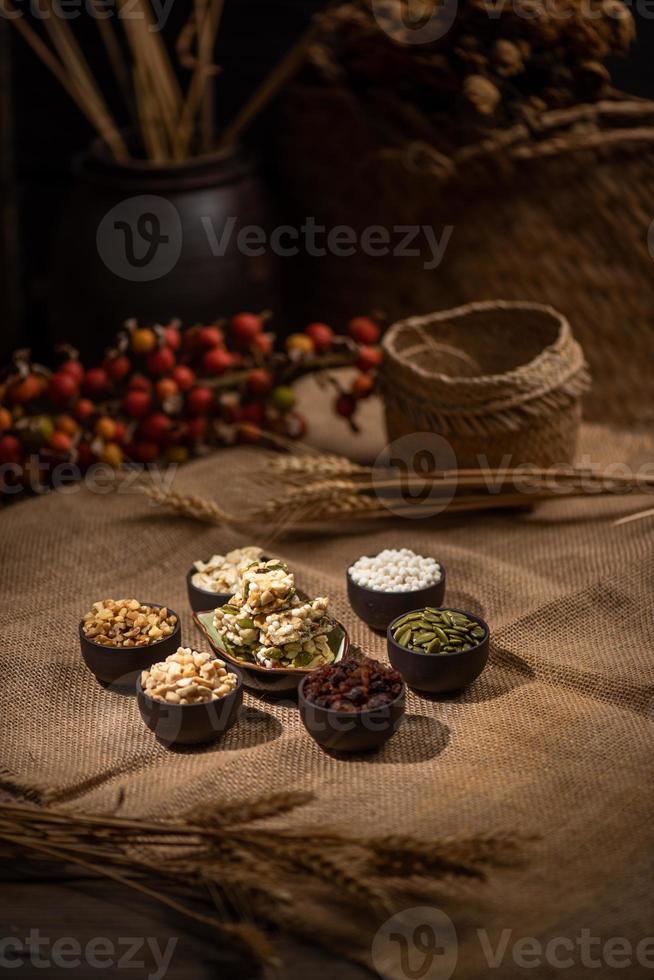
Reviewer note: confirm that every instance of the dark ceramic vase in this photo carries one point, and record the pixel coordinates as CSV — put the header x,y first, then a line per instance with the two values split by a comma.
x,y
156,242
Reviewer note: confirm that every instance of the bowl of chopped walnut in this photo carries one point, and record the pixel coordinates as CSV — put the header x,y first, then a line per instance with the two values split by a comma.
x,y
119,638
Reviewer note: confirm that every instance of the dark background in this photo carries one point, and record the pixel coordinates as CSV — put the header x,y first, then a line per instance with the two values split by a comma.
x,y
41,131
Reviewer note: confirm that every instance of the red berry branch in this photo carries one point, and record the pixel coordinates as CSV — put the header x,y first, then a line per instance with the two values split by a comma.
x,y
164,393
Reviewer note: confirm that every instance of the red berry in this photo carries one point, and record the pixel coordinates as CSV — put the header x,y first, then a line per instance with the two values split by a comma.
x,y
30,387
199,401
166,388
96,381
121,431
321,334
85,455
10,451
67,424
144,340
184,377
63,387
345,405
217,361
161,361
74,367
143,452
363,330
362,386
84,409
263,344
60,442
196,429
156,427
259,382
173,338
245,327
105,428
301,343
254,412
191,339
209,337
369,358
117,367
137,404
140,383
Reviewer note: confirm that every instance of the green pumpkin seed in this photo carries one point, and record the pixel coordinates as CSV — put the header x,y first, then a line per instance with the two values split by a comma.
x,y
432,630
409,618
403,637
245,623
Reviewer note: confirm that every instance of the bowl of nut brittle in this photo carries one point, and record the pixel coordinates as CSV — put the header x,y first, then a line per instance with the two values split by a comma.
x,y
119,638
273,632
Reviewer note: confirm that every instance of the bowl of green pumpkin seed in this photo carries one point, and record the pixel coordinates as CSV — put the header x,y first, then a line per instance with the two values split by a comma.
x,y
438,650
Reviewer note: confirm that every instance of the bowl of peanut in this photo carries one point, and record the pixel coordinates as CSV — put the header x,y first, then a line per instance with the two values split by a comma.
x,y
119,638
190,697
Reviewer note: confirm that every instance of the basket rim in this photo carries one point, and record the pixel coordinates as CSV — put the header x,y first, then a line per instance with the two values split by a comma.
x,y
516,374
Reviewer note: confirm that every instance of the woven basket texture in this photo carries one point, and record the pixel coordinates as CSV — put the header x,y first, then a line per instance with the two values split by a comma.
x,y
559,214
501,382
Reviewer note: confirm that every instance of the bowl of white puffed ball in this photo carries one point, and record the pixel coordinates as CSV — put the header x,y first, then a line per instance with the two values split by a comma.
x,y
384,586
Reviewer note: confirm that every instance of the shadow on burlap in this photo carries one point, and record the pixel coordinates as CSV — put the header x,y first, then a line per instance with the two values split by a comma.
x,y
555,739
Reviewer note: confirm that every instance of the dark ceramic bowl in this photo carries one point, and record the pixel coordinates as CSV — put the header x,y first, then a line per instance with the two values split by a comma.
x,y
201,600
344,731
378,609
121,666
190,724
269,680
439,673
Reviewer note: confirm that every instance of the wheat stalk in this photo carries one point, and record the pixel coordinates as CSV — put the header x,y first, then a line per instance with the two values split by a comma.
x,y
213,850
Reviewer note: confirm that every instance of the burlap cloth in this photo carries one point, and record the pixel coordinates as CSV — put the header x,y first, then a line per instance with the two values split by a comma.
x,y
556,738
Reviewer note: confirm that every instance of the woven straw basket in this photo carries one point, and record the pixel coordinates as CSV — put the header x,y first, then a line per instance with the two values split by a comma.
x,y
498,380
557,214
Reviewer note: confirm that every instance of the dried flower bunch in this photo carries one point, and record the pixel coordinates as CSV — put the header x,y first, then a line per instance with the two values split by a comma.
x,y
127,623
267,623
497,63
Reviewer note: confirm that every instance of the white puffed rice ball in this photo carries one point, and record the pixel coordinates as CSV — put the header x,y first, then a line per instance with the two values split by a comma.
x,y
396,570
